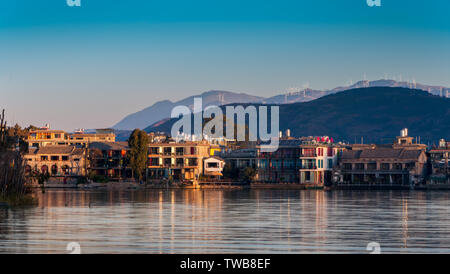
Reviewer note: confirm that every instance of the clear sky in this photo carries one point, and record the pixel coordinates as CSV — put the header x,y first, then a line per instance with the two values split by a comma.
x,y
90,66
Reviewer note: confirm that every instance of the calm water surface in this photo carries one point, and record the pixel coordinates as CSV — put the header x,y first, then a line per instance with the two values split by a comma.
x,y
229,221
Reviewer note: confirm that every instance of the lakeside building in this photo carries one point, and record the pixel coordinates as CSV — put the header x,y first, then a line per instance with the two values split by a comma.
x,y
402,163
240,158
213,167
440,163
84,139
308,160
46,136
180,161
280,166
318,157
157,137
109,160
43,137
57,160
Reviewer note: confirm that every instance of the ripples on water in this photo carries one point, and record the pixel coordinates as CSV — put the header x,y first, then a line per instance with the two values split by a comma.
x,y
229,221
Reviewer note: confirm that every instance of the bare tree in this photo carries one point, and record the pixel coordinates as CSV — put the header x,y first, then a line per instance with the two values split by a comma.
x,y
12,165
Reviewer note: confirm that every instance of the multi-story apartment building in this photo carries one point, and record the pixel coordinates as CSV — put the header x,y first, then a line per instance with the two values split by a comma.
x,y
180,161
318,157
84,139
240,158
283,165
57,160
44,136
307,160
109,159
440,163
402,163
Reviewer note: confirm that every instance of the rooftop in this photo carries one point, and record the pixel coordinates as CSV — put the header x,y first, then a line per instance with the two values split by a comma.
x,y
52,149
382,152
109,145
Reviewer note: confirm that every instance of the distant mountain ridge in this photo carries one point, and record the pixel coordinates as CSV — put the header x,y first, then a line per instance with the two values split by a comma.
x,y
162,109
374,114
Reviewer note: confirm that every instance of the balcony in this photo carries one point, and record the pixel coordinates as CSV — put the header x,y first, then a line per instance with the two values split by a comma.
x,y
309,167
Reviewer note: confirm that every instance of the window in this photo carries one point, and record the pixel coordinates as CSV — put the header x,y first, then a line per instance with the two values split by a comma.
x,y
167,162
307,176
330,161
320,151
308,152
153,162
321,162
179,151
54,158
65,158
179,162
213,165
262,163
330,152
44,158
167,151
289,164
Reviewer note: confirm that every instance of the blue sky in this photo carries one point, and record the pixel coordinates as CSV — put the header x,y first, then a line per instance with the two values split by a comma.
x,y
89,66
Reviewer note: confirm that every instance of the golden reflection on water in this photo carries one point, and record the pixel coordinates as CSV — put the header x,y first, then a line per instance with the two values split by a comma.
x,y
223,221
405,222
321,214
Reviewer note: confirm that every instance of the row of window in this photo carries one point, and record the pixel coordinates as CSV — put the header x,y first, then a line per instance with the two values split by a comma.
x,y
383,166
305,163
168,150
54,158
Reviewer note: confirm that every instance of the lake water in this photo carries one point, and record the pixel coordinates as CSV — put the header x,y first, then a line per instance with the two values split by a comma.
x,y
229,221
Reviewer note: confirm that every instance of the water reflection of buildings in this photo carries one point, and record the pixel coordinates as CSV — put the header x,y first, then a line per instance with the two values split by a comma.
x,y
405,222
188,218
321,214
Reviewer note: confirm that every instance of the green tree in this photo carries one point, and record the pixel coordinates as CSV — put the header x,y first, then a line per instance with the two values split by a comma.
x,y
138,155
249,174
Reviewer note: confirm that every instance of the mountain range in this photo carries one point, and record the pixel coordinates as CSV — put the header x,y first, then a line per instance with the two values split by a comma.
x,y
161,110
373,114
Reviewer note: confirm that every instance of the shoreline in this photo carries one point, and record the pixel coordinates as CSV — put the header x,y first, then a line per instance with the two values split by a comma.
x,y
230,185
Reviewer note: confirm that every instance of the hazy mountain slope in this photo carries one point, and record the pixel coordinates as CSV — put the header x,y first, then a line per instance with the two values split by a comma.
x,y
161,110
377,114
